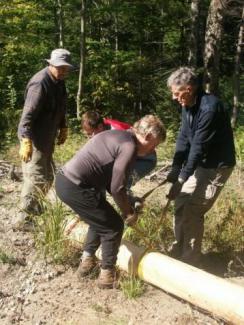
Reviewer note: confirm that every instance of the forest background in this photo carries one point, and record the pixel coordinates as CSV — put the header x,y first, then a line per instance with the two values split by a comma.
x,y
124,51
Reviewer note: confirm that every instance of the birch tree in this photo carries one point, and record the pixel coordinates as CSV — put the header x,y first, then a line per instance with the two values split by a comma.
x,y
194,34
82,58
59,22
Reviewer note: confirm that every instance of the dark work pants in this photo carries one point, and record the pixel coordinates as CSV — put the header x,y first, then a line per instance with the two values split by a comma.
x,y
105,224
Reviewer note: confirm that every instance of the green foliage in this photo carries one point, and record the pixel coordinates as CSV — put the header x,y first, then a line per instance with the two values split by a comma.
x,y
49,236
5,258
132,287
64,152
224,222
239,143
131,48
152,234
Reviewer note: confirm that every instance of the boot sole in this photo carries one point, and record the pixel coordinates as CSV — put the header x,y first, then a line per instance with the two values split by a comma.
x,y
106,286
89,274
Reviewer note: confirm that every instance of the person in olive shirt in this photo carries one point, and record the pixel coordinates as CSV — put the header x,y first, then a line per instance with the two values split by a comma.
x,y
203,161
104,163
43,122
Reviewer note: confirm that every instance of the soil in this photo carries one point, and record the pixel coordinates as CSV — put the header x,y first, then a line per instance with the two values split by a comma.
x,y
34,291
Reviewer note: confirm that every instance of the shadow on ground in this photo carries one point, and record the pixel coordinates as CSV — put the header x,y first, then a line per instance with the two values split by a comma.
x,y
224,265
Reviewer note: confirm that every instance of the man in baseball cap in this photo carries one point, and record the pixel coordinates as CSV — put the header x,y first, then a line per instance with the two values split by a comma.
x,y
42,124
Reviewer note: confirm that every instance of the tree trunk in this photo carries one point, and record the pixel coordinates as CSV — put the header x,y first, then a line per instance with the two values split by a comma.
x,y
60,25
82,59
236,88
213,36
194,34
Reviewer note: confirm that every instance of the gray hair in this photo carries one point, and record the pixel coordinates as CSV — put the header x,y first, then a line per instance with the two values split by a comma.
x,y
151,124
182,77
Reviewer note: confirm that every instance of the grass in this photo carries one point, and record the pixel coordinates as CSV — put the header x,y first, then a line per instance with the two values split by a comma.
x,y
239,143
66,151
132,287
158,235
224,231
49,233
223,224
6,258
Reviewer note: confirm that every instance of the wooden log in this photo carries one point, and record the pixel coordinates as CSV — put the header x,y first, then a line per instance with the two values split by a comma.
x,y
128,258
218,296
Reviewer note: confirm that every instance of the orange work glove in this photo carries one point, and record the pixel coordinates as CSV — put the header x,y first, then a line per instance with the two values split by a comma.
x,y
62,136
25,151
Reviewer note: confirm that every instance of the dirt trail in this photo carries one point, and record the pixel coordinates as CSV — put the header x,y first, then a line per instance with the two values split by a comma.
x,y
35,292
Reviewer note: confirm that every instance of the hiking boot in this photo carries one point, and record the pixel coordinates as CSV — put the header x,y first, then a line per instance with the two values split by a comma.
x,y
87,266
107,279
23,222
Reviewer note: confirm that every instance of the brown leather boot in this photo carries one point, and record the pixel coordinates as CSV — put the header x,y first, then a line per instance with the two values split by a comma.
x,y
107,279
87,266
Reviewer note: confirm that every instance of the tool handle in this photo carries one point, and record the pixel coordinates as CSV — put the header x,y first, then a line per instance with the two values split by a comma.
x,y
153,189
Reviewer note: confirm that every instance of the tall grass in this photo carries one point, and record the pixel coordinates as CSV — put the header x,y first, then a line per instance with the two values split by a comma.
x,y
50,232
224,223
132,287
224,231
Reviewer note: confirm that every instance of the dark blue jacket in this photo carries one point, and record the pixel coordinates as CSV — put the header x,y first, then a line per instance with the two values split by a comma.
x,y
205,138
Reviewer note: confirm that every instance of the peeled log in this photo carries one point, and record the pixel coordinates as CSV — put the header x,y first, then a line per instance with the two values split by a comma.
x,y
128,258
218,296
129,254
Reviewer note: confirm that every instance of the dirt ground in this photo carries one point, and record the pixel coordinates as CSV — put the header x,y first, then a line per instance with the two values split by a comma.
x,y
33,291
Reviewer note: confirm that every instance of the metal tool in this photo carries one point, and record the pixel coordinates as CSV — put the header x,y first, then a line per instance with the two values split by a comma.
x,y
141,234
144,196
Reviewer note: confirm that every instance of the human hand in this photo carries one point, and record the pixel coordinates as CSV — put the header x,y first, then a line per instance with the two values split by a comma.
x,y
131,219
136,203
62,136
173,174
26,150
175,190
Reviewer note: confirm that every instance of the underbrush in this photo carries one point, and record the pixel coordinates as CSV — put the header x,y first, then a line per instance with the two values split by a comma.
x,y
131,286
50,237
224,224
66,151
154,228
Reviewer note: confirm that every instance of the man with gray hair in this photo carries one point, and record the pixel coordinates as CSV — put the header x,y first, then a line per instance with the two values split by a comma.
x,y
203,161
104,163
43,122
